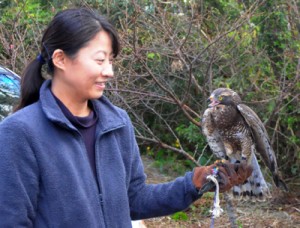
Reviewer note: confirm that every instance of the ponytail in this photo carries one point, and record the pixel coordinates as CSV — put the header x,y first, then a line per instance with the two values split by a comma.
x,y
31,82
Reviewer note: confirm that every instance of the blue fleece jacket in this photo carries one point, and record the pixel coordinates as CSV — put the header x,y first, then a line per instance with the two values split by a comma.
x,y
46,179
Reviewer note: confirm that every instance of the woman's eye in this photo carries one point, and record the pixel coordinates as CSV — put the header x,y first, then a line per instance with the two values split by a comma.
x,y
100,61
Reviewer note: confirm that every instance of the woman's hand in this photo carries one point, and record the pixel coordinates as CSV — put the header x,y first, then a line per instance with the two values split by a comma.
x,y
228,174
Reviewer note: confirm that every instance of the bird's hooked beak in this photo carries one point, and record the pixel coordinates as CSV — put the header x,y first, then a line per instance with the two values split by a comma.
x,y
212,102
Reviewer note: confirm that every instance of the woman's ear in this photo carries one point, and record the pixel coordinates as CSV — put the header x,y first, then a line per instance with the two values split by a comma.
x,y
59,59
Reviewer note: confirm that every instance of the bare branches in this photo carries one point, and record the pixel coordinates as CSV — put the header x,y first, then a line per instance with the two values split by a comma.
x,y
175,53
168,59
19,39
173,58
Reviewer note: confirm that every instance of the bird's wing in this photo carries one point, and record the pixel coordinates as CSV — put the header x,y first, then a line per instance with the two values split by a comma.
x,y
212,135
260,136
262,142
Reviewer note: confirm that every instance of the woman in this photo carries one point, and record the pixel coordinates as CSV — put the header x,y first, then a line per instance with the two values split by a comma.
x,y
69,157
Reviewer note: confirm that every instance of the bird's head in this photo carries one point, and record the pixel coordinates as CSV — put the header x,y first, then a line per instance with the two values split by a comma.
x,y
224,96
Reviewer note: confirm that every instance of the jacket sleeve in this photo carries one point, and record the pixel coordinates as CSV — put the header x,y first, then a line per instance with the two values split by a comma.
x,y
153,200
18,176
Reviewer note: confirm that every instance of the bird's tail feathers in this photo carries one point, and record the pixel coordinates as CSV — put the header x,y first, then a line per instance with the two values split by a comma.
x,y
255,187
251,191
279,182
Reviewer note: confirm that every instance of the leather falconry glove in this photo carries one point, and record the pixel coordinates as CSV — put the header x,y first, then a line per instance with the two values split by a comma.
x,y
228,175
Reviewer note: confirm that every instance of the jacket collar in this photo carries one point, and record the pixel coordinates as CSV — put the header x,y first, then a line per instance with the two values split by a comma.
x,y
110,116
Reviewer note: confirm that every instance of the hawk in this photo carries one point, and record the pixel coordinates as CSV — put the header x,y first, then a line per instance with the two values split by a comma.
x,y
234,132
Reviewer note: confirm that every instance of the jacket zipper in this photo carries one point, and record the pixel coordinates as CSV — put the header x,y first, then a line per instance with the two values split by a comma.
x,y
97,181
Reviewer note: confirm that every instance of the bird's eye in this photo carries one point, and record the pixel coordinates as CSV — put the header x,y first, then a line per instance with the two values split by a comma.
x,y
220,98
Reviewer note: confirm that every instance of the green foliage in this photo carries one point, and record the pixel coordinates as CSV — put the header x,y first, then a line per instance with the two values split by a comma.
x,y
153,56
30,13
295,168
170,163
192,135
180,216
22,23
239,224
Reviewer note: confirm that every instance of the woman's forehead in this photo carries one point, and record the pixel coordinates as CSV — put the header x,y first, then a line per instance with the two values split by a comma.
x,y
101,43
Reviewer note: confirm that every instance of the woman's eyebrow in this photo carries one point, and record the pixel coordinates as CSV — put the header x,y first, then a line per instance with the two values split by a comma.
x,y
104,52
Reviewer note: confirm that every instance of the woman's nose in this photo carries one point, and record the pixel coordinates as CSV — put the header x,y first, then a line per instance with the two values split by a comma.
x,y
108,70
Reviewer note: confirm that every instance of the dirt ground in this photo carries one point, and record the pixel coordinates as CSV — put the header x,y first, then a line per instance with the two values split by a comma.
x,y
282,210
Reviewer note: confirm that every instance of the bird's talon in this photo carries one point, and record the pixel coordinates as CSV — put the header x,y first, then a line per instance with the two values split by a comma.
x,y
219,162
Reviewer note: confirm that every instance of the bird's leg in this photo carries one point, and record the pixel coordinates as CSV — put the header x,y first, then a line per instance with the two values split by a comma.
x,y
259,186
248,148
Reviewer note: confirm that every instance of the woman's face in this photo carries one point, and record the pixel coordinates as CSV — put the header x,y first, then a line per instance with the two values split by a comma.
x,y
85,75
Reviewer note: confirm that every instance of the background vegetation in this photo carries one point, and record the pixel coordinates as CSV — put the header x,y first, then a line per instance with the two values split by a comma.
x,y
174,54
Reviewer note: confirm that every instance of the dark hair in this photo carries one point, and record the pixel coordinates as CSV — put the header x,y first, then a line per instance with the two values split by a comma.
x,y
69,30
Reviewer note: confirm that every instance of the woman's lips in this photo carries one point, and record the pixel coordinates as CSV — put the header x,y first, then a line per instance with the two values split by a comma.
x,y
100,85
